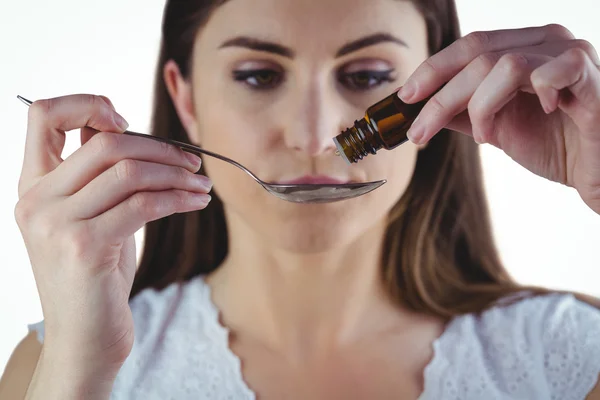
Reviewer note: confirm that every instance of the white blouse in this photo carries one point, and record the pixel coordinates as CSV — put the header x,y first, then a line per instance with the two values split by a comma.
x,y
546,347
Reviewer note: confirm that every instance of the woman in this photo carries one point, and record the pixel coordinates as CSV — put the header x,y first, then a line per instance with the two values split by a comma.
x,y
396,294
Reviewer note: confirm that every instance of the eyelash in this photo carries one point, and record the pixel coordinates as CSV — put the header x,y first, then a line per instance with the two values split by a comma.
x,y
245,75
346,79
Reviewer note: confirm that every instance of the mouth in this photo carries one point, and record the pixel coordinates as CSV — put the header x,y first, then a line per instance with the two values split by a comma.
x,y
315,180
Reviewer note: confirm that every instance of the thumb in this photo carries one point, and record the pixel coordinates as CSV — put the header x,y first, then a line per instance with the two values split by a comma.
x,y
86,132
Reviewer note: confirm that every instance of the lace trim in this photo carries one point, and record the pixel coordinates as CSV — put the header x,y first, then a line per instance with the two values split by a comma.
x,y
222,339
438,363
474,357
430,373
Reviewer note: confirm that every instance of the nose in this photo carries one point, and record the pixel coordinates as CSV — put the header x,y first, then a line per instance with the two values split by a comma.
x,y
313,120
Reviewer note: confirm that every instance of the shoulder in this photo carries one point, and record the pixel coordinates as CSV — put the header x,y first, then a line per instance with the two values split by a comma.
x,y
555,323
564,333
20,368
554,316
152,311
544,320
549,344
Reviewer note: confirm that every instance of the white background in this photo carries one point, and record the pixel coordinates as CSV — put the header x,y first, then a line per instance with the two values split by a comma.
x,y
546,234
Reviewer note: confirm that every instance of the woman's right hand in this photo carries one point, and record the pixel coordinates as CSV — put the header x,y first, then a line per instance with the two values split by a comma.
x,y
78,218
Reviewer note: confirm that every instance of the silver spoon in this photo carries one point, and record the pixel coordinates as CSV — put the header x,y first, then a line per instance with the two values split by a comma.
x,y
297,193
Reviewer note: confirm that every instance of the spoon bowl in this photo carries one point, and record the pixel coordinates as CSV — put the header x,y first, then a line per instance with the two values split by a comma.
x,y
296,193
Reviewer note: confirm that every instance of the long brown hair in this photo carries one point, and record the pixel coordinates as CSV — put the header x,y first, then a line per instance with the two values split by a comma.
x,y
439,255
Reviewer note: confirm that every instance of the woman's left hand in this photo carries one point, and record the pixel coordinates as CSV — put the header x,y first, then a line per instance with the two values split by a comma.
x,y
533,92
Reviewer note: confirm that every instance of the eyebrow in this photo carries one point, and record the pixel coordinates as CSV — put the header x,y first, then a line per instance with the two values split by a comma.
x,y
259,45
270,47
369,41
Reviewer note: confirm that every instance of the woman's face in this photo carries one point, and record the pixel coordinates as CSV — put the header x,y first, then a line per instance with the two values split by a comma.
x,y
273,81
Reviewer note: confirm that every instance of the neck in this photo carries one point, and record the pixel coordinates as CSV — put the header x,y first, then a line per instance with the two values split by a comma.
x,y
301,303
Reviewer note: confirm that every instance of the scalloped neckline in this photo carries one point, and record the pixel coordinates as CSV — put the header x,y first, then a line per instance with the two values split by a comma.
x,y
429,372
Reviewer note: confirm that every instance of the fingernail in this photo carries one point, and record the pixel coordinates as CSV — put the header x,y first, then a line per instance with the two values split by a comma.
x,y
415,132
545,106
407,91
476,133
201,200
195,160
204,182
120,121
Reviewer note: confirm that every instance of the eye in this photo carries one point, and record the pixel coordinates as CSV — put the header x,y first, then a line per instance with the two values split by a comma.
x,y
259,78
365,80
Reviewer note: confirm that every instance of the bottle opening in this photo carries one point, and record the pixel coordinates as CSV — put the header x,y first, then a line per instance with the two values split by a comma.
x,y
340,151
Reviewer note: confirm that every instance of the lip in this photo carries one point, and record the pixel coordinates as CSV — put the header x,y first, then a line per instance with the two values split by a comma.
x,y
314,180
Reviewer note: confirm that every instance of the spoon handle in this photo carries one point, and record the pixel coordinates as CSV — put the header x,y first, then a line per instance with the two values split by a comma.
x,y
190,148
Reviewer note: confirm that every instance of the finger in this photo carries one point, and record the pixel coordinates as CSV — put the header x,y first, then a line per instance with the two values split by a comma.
x,y
47,123
455,96
452,99
127,177
510,75
461,123
558,47
87,133
441,67
576,72
106,149
107,101
122,221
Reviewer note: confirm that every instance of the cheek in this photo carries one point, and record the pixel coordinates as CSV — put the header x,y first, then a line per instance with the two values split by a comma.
x,y
234,132
227,133
227,123
226,129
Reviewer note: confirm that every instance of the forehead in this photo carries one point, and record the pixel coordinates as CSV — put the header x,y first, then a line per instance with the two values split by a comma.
x,y
314,23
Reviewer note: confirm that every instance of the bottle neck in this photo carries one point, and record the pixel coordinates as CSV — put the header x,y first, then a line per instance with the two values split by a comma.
x,y
357,142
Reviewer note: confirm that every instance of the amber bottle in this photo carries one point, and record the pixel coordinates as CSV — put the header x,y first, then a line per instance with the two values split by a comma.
x,y
384,126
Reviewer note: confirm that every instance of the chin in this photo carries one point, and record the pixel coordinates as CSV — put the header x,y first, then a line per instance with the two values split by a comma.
x,y
310,228
314,232
302,228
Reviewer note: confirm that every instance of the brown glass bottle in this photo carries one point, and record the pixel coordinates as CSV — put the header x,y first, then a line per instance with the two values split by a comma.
x,y
384,126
